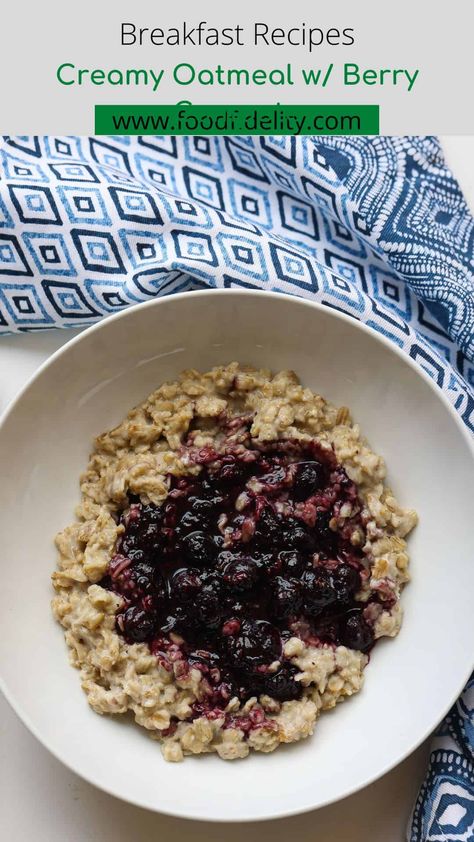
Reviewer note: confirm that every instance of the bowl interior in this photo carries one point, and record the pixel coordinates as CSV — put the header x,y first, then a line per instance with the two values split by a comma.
x,y
89,386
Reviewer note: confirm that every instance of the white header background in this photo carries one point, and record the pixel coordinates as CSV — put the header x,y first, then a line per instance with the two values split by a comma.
x,y
434,37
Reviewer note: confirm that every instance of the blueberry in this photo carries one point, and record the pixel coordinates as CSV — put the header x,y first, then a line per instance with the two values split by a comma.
x,y
268,529
292,562
223,559
325,536
257,642
199,548
346,582
208,607
138,625
179,618
310,477
318,590
191,522
282,685
263,560
272,565
143,530
144,575
234,607
151,513
297,537
150,539
286,597
205,504
128,545
200,505
231,473
137,555
184,584
239,574
355,632
170,514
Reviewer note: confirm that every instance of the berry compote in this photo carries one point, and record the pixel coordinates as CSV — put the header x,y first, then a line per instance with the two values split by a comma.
x,y
263,544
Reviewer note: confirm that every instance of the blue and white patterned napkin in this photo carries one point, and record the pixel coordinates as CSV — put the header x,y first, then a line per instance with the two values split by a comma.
x,y
375,227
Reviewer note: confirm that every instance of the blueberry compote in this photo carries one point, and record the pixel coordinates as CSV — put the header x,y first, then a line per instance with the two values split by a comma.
x,y
253,550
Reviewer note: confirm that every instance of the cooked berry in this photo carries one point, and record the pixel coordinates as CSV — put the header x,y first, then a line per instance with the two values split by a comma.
x,y
296,536
179,618
231,627
318,590
257,642
138,625
346,582
206,503
199,548
292,562
231,474
269,563
191,521
128,545
151,513
144,575
355,632
268,530
208,607
310,477
287,597
282,685
239,574
234,560
136,555
185,584
325,536
143,530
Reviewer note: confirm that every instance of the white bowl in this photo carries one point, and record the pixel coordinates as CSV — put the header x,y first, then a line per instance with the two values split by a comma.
x,y
89,385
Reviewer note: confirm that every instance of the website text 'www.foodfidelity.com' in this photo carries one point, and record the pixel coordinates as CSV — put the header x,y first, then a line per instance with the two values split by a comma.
x,y
222,119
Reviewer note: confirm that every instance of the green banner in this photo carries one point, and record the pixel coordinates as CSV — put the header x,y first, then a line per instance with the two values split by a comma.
x,y
187,119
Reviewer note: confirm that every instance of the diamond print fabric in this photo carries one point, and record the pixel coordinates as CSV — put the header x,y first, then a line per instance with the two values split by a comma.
x,y
444,810
375,227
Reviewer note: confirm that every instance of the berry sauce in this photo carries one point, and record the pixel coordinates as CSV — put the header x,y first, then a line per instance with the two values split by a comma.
x,y
262,545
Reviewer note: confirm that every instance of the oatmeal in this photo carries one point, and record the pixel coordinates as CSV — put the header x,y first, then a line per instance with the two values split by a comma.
x,y
234,559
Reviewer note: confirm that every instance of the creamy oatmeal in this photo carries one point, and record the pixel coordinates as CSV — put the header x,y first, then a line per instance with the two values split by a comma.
x,y
234,558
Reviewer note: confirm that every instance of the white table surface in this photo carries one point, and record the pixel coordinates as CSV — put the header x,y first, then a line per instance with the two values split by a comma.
x,y
42,800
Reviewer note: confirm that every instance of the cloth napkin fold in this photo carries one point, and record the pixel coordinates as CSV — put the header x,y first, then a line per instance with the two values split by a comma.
x,y
375,227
